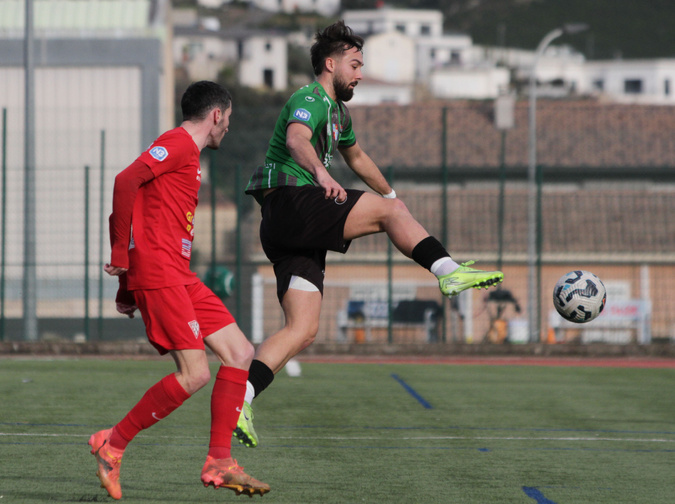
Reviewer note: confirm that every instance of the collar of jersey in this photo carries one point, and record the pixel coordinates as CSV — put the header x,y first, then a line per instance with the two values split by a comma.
x,y
323,93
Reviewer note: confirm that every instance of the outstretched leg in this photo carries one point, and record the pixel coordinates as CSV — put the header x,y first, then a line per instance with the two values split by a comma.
x,y
373,214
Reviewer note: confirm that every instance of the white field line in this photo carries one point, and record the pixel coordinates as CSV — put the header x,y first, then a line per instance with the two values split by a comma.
x,y
481,438
379,438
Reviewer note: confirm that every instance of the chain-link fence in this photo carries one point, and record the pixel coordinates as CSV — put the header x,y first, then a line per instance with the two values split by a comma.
x,y
605,201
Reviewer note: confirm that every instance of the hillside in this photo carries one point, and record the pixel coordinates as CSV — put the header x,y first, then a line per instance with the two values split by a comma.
x,y
618,28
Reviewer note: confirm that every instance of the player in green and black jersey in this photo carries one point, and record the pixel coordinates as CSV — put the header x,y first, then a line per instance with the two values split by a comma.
x,y
305,212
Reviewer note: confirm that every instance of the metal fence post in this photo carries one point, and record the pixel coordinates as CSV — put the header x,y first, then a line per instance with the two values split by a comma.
x,y
239,193
4,224
101,259
30,321
390,275
444,209
86,252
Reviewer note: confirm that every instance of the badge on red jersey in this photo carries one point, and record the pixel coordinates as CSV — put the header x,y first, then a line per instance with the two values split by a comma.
x,y
159,153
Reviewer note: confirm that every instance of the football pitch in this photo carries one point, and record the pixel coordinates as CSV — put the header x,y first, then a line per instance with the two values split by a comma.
x,y
355,433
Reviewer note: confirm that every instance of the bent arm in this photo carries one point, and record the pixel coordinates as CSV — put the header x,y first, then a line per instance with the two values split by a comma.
x,y
299,144
127,183
365,168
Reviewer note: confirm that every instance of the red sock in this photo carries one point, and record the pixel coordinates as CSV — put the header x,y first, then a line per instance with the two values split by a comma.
x,y
160,400
226,402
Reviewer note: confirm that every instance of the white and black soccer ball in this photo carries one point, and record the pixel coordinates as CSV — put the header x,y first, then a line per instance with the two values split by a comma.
x,y
579,296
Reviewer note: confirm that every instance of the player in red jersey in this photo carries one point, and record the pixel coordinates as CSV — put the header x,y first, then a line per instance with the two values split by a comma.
x,y
151,232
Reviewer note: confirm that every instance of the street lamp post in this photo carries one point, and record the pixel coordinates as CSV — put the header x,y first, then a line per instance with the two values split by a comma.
x,y
534,312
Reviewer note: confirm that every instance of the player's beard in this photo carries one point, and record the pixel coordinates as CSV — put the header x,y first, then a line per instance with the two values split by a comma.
x,y
343,91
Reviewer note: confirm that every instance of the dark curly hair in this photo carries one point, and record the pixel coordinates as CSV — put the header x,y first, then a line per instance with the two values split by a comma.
x,y
335,38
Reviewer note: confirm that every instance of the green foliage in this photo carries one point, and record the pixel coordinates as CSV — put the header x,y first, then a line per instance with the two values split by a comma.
x,y
254,113
347,433
299,62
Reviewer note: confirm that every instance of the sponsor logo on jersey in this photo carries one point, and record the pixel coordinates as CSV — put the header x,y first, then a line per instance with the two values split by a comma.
x,y
186,248
194,325
310,98
302,114
159,153
336,132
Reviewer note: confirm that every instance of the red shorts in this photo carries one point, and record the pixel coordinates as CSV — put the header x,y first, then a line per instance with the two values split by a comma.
x,y
180,317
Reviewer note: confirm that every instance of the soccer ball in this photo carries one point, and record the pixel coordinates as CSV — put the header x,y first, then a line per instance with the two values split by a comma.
x,y
579,296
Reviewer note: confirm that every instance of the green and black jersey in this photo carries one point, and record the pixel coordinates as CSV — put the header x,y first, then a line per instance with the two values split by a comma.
x,y
331,127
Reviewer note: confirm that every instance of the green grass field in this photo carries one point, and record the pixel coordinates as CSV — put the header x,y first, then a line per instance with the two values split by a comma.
x,y
355,433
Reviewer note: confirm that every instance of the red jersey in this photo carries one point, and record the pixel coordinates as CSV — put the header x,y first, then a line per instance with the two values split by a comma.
x,y
162,223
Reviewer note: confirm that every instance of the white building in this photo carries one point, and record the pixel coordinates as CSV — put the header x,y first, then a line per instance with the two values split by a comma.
x,y
438,52
469,82
631,81
104,90
412,22
390,57
323,7
259,57
450,66
407,46
373,92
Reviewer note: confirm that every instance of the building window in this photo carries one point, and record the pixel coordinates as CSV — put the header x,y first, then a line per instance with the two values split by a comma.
x,y
268,77
632,86
400,28
425,30
268,46
666,87
455,57
599,85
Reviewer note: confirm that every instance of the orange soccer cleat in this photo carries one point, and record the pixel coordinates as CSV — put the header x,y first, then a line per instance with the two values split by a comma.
x,y
226,473
109,461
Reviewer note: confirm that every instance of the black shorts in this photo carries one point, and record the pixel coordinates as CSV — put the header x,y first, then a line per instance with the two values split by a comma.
x,y
299,225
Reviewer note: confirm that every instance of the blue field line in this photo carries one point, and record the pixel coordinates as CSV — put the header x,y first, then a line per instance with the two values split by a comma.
x,y
412,391
535,494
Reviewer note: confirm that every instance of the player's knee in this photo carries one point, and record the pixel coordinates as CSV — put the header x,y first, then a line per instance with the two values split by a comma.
x,y
397,208
202,378
242,355
195,380
391,211
310,335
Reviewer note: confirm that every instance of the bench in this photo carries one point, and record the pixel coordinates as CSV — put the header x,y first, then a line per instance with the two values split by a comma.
x,y
622,321
368,321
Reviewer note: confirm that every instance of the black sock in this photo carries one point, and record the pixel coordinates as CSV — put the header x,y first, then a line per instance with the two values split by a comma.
x,y
260,376
428,251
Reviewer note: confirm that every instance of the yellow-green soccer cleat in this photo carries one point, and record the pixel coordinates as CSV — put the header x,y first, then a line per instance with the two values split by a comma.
x,y
464,278
245,432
